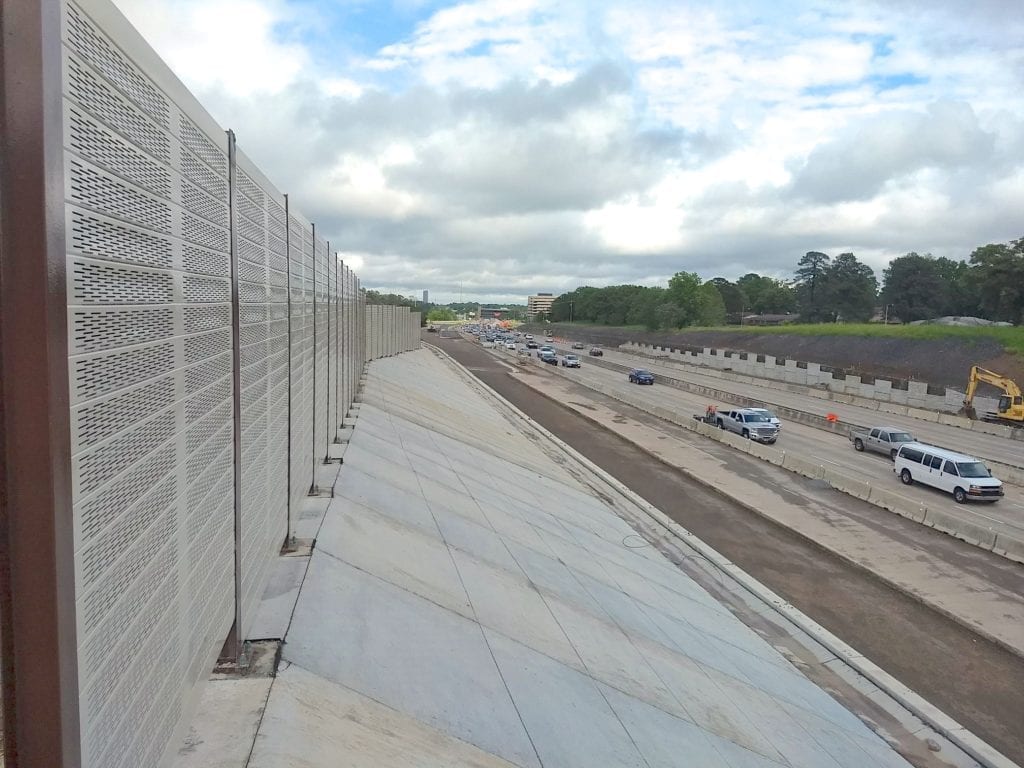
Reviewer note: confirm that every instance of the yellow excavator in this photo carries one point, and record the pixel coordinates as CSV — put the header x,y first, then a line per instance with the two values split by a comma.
x,y
1010,409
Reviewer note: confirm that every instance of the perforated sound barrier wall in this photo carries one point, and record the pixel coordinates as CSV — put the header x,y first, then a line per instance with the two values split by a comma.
x,y
215,344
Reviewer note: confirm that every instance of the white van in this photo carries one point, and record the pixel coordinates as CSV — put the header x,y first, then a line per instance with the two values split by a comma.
x,y
963,476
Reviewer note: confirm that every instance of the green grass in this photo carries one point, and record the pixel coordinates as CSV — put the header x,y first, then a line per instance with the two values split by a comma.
x,y
583,324
1012,339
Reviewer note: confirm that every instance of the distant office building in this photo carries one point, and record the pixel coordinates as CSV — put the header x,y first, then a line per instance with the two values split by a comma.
x,y
494,313
426,299
541,303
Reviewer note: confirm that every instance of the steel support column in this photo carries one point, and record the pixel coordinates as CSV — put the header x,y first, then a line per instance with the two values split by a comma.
x,y
40,693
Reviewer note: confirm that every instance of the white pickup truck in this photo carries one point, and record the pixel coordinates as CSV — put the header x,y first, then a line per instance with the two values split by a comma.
x,y
751,423
885,440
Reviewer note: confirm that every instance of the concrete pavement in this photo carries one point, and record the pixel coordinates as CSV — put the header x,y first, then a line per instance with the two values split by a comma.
x,y
470,601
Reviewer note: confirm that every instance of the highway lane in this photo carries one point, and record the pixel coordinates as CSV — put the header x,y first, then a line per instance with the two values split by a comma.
x,y
974,443
817,446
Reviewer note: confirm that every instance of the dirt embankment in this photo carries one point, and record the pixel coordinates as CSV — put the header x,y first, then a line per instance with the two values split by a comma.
x,y
940,362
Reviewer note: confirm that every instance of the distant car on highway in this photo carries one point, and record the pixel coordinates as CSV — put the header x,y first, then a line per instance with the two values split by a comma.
x,y
596,352
641,376
510,345
771,416
571,361
547,349
531,344
549,357
887,440
577,345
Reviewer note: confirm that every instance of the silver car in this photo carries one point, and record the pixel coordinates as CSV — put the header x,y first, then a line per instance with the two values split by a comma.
x,y
772,418
753,426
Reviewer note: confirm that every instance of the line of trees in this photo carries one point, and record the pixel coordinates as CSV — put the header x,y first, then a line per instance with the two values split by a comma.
x,y
990,284
394,299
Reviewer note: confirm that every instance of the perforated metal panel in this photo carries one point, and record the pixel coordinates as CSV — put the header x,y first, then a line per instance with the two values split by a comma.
x,y
300,282
371,325
390,323
353,355
261,268
334,346
349,346
378,331
412,336
321,355
149,335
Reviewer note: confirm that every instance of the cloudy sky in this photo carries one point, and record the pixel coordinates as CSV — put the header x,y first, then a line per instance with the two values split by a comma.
x,y
493,149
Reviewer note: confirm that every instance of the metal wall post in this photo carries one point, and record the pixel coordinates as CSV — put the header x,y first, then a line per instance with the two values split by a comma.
x,y
37,601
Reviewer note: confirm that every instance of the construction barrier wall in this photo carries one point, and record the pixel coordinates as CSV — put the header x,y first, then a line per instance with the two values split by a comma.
x,y
820,380
213,344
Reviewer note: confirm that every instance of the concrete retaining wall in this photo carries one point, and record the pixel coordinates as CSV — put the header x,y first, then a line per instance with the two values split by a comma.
x,y
1006,472
809,378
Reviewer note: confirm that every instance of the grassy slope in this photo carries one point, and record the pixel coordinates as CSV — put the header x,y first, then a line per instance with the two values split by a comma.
x,y
1012,339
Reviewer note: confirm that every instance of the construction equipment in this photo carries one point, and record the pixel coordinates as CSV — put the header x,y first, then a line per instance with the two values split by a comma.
x,y
1010,409
710,415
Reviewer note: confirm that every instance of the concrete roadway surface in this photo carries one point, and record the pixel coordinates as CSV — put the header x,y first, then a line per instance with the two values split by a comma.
x,y
821,447
968,676
977,444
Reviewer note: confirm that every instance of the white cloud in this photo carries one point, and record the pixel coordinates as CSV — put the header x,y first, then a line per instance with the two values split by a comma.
x,y
230,44
500,147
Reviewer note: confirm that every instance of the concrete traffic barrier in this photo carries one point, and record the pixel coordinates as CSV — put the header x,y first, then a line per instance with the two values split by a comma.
x,y
954,421
802,467
664,413
859,489
894,408
901,505
764,452
999,430
703,428
970,531
1009,547
922,414
1005,472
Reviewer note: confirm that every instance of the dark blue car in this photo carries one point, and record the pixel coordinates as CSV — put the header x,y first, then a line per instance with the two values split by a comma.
x,y
640,376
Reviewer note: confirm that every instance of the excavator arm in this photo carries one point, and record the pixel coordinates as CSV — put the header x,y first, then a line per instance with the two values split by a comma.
x,y
1013,409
